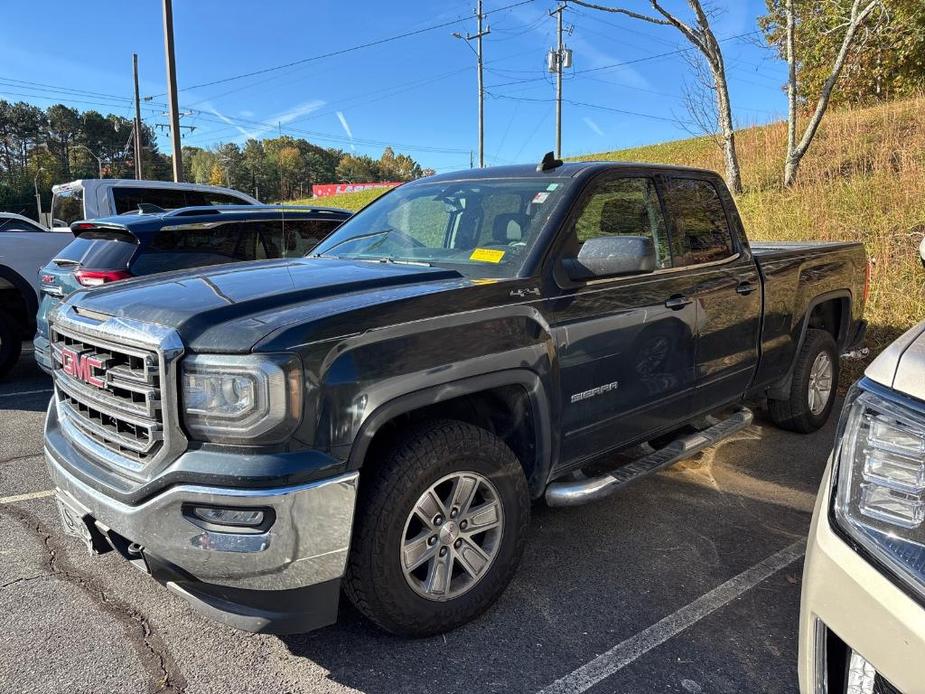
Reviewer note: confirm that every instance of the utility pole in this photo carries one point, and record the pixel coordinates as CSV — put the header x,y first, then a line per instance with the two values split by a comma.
x,y
138,171
478,53
174,111
558,59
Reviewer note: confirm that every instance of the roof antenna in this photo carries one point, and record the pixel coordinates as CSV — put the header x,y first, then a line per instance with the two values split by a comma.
x,y
549,162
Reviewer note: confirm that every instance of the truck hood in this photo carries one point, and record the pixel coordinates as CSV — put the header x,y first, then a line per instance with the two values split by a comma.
x,y
229,308
901,366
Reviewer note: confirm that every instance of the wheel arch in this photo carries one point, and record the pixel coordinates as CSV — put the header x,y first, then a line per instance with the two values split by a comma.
x,y
830,311
488,401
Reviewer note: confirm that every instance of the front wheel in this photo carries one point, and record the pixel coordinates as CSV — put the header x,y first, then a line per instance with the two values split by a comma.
x,y
440,529
812,388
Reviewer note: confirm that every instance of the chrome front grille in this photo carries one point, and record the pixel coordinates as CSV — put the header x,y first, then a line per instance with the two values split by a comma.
x,y
123,413
111,377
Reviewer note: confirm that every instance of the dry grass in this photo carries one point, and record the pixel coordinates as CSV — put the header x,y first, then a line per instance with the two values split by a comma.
x,y
863,179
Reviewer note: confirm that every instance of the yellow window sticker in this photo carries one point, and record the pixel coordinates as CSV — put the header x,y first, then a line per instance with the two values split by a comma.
x,y
487,255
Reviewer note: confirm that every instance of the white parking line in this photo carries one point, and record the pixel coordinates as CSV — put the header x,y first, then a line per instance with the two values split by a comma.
x,y
26,497
26,392
626,652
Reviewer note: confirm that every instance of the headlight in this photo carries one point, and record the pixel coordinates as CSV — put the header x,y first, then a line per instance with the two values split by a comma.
x,y
880,497
248,399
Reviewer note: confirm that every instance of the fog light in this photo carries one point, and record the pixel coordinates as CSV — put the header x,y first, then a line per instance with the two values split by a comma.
x,y
248,518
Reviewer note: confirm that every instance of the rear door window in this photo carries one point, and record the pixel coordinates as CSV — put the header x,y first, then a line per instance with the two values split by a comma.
x,y
302,235
701,230
127,199
11,224
197,246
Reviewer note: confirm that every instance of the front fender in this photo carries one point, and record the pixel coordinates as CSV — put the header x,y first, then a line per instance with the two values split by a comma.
x,y
367,379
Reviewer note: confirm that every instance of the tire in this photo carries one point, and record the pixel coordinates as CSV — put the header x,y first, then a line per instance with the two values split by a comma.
x,y
10,342
803,411
386,526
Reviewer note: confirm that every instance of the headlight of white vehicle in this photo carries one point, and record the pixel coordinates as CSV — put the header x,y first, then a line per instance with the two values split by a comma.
x,y
880,497
246,399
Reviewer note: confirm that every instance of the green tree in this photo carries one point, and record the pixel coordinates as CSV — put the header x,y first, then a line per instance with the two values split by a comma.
x,y
887,60
357,169
62,132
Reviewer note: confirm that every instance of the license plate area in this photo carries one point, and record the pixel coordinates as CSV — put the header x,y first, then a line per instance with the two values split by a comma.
x,y
80,524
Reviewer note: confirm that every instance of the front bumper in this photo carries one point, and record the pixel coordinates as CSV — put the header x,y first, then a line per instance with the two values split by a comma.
x,y
853,603
285,579
42,352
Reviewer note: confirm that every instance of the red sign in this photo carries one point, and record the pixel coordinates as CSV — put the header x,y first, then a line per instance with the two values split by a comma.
x,y
323,190
81,367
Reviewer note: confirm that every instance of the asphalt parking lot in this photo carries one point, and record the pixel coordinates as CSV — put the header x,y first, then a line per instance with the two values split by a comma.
x,y
687,582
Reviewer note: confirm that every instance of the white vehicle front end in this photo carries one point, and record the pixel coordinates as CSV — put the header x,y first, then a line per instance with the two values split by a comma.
x,y
862,622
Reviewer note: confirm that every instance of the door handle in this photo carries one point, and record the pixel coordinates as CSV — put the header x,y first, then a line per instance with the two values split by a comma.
x,y
745,288
678,301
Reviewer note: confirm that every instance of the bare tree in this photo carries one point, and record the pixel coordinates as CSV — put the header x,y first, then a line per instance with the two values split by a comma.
x,y
702,38
860,11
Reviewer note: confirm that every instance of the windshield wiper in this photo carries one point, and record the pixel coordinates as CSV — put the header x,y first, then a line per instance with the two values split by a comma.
x,y
371,234
398,261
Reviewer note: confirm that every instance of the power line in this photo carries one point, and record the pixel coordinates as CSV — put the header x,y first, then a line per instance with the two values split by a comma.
x,y
587,105
624,63
342,51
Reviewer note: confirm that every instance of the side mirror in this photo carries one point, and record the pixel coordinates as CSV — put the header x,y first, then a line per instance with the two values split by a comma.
x,y
608,256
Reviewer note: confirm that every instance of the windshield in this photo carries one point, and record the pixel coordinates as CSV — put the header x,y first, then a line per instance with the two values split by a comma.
x,y
67,206
483,228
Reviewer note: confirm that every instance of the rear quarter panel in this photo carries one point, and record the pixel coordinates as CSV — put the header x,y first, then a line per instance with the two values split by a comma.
x,y
797,278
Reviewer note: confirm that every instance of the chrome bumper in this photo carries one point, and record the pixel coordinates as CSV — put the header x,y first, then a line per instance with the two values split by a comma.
x,y
307,543
42,353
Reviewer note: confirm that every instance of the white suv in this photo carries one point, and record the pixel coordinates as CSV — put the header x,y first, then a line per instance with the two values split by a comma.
x,y
862,621
104,197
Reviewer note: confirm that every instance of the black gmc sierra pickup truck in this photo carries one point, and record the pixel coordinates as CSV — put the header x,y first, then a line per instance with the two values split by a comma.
x,y
378,417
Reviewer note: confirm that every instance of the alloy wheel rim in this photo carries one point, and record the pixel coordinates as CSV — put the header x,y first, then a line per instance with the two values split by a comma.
x,y
820,383
452,536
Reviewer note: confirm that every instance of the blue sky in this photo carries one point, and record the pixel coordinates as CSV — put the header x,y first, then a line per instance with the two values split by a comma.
x,y
417,93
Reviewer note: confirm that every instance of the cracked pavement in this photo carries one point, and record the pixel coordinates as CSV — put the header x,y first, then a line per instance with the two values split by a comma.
x,y
591,577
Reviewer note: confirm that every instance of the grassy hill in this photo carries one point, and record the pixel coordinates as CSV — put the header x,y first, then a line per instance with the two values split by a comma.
x,y
863,179
348,201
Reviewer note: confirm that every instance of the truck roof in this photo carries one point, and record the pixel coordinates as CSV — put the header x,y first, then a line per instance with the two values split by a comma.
x,y
568,169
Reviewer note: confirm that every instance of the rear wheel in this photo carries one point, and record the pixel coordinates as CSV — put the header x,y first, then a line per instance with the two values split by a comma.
x,y
10,342
813,386
440,529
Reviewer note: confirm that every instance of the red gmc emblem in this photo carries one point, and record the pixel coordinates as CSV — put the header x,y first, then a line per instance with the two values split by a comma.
x,y
48,279
81,367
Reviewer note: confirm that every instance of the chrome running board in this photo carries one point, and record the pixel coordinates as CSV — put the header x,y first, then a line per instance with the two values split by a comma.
x,y
582,491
